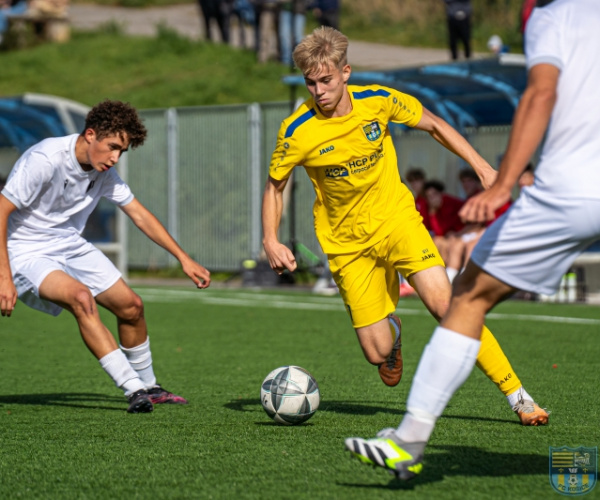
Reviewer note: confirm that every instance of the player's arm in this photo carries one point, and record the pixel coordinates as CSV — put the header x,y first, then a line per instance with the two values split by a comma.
x,y
151,227
528,128
448,137
280,257
8,292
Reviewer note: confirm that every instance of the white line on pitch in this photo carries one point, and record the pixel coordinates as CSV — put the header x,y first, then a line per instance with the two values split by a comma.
x,y
245,299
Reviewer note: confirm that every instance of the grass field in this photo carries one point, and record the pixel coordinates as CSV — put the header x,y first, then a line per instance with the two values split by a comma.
x,y
64,432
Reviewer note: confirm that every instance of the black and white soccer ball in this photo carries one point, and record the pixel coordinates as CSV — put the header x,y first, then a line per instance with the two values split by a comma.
x,y
290,395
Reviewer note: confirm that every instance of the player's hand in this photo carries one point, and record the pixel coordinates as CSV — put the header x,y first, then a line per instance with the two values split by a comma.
x,y
280,257
482,207
8,296
197,273
488,177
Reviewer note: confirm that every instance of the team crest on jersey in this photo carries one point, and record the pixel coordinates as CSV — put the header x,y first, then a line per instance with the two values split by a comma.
x,y
573,471
372,131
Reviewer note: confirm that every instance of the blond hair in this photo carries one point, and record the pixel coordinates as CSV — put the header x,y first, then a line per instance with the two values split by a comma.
x,y
324,46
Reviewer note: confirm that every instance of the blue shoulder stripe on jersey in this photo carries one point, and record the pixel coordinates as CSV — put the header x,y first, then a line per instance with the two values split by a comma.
x,y
370,93
299,121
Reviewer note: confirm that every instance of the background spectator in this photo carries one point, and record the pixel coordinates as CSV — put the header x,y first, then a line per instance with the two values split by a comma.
x,y
244,11
327,13
266,28
8,8
220,11
292,21
443,221
458,17
415,179
527,177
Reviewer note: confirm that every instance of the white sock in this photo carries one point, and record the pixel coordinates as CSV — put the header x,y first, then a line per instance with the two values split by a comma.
x,y
118,368
452,273
516,396
446,363
140,359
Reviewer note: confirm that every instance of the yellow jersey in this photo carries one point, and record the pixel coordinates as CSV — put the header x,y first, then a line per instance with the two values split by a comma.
x,y
352,164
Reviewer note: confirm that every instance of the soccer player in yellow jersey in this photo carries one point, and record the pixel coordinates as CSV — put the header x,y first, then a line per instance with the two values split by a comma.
x,y
365,217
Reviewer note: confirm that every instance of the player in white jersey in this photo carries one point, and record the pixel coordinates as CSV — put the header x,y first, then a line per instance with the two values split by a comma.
x,y
44,260
537,240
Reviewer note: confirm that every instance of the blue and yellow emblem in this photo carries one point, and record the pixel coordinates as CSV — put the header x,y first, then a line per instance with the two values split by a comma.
x,y
573,471
372,131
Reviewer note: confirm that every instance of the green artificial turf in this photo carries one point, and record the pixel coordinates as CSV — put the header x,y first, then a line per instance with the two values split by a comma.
x,y
64,431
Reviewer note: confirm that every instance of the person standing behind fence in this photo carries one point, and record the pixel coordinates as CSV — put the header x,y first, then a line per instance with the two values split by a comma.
x,y
220,11
266,28
10,8
292,21
45,261
458,19
327,12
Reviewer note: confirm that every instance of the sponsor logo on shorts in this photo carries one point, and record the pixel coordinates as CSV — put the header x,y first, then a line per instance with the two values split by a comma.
x,y
573,471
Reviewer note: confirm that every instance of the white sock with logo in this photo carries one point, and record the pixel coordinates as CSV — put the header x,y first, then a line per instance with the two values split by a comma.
x,y
446,363
118,368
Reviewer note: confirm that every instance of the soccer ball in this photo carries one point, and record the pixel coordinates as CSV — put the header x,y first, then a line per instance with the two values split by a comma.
x,y
290,395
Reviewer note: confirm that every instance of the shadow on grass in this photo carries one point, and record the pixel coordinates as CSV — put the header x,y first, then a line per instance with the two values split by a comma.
x,y
464,461
74,400
353,408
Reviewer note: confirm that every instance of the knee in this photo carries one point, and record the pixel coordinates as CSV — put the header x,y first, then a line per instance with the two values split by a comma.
x,y
132,310
82,302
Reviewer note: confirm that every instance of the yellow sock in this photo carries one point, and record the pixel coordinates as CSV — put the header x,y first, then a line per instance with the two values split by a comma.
x,y
492,361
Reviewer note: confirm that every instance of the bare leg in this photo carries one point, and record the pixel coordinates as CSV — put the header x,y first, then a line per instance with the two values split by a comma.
x,y
128,307
75,297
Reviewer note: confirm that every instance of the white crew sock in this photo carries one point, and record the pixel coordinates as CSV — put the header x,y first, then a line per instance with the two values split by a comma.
x,y
140,359
118,368
446,363
516,396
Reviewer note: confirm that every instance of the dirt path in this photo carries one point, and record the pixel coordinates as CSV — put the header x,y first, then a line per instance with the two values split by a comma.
x,y
187,21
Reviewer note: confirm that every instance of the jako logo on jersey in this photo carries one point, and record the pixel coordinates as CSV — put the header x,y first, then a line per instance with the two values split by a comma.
x,y
326,150
336,172
372,131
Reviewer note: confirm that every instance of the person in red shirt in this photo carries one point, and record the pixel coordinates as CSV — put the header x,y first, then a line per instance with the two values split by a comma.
x,y
461,246
443,221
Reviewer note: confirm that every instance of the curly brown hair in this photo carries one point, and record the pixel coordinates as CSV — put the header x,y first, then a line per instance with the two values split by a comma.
x,y
116,118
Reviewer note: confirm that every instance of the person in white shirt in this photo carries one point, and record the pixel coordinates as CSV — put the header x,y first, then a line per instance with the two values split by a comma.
x,y
48,265
536,241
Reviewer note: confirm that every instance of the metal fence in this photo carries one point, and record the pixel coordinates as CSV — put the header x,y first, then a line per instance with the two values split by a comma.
x,y
203,169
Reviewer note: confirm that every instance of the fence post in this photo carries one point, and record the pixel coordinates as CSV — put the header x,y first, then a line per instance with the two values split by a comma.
x,y
173,183
255,164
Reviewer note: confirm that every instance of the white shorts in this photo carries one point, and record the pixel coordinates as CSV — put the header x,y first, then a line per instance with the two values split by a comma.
x,y
535,242
73,255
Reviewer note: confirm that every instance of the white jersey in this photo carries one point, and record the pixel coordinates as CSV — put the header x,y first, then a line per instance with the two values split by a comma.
x,y
566,34
54,195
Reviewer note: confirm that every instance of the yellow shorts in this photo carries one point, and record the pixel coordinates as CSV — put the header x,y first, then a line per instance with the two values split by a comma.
x,y
368,279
